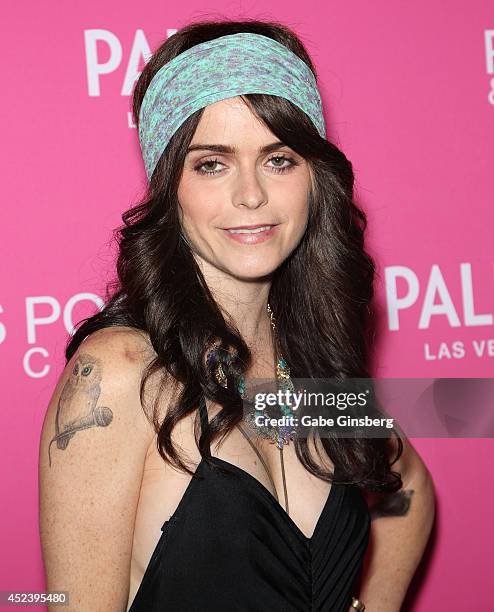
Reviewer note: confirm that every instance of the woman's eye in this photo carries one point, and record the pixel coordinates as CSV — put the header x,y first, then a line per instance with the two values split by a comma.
x,y
279,165
283,158
207,165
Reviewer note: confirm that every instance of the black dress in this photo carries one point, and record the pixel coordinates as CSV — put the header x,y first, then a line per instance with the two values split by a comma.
x,y
231,547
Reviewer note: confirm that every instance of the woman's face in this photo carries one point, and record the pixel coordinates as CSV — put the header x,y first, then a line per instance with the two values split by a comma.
x,y
236,174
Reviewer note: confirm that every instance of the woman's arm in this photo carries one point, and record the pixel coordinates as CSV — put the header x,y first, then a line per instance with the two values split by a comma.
x,y
90,473
401,525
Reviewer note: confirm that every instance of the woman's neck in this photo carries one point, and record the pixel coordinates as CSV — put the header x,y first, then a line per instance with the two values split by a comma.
x,y
243,301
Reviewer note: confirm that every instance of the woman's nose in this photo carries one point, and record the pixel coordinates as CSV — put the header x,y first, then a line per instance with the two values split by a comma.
x,y
249,190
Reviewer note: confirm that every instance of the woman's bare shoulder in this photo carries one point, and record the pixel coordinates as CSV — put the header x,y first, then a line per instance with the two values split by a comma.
x,y
93,447
131,351
131,344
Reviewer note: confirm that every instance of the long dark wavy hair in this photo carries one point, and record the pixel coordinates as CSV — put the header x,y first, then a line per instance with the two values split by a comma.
x,y
320,294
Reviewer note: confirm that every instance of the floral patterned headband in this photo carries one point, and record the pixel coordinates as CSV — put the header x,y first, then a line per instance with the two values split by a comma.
x,y
214,70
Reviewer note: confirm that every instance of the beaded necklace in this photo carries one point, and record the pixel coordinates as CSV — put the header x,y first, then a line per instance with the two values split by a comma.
x,y
279,434
282,434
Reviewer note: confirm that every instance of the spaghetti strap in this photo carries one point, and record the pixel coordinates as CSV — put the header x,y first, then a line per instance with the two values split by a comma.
x,y
203,414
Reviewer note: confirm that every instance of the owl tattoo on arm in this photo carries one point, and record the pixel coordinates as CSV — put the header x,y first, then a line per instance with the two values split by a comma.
x,y
78,404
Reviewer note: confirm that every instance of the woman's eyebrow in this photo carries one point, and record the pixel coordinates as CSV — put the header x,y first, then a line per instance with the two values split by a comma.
x,y
218,148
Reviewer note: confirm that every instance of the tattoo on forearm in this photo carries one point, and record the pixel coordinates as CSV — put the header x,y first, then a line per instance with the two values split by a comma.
x,y
394,504
77,407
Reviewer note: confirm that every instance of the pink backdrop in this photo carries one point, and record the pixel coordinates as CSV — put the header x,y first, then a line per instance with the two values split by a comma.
x,y
408,94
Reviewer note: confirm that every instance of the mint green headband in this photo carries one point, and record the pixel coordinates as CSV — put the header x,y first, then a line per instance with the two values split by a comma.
x,y
222,68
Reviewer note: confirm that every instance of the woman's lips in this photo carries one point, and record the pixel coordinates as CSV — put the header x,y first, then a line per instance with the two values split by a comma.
x,y
254,236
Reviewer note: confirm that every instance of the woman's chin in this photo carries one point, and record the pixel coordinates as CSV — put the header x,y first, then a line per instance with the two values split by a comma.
x,y
252,273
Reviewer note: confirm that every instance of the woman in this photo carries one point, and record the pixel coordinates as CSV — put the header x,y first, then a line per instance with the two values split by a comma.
x,y
245,261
